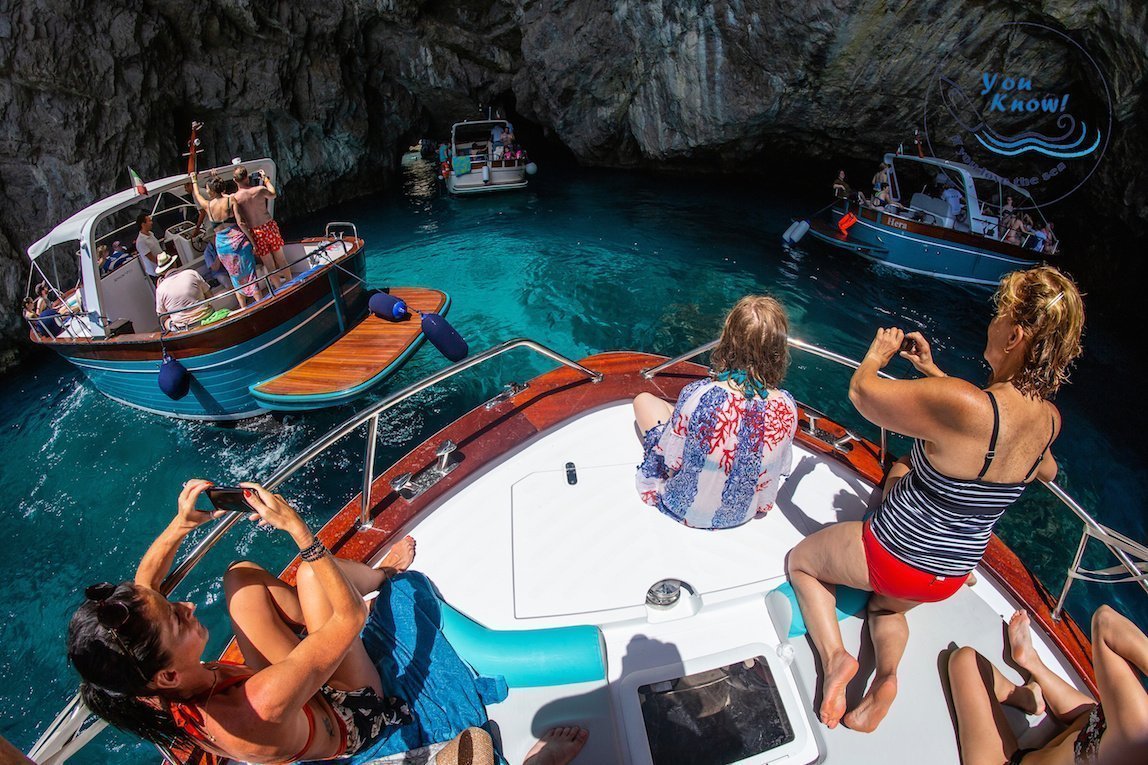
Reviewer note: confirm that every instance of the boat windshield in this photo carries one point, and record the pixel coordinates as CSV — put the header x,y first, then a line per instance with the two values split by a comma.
x,y
719,716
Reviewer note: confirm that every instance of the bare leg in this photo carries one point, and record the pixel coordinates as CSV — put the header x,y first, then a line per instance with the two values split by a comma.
x,y
558,746
279,260
1065,702
896,472
1120,656
471,747
983,732
890,632
266,614
649,410
821,561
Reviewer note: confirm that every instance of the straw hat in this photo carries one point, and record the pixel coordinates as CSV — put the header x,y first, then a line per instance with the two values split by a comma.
x,y
164,261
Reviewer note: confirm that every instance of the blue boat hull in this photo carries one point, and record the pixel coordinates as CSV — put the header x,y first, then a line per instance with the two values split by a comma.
x,y
923,249
221,377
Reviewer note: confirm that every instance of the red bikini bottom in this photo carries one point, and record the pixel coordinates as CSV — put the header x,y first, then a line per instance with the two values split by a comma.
x,y
892,577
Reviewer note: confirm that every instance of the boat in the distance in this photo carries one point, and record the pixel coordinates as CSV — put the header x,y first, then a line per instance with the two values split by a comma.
x,y
308,343
483,156
669,644
914,228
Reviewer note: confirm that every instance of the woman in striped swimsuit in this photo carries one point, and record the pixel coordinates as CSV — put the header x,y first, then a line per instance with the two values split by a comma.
x,y
975,451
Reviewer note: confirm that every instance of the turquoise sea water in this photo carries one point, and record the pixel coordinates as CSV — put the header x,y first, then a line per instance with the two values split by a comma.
x,y
584,261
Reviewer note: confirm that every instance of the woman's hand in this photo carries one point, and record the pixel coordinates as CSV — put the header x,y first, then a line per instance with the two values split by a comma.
x,y
885,344
920,355
188,517
272,510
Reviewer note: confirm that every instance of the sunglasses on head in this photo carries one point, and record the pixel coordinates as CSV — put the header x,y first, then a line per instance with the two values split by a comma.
x,y
112,615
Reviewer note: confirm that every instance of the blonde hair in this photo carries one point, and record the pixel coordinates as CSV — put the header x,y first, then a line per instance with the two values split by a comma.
x,y
1047,305
753,339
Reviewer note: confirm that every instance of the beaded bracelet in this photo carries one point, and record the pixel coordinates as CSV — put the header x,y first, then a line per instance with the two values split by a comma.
x,y
313,552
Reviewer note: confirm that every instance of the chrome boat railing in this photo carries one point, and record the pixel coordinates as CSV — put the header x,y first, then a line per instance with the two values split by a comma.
x,y
67,733
1132,556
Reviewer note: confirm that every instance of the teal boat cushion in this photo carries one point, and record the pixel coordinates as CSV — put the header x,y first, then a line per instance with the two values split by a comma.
x,y
527,658
782,603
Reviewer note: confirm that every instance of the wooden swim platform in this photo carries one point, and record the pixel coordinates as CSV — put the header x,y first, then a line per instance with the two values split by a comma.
x,y
367,354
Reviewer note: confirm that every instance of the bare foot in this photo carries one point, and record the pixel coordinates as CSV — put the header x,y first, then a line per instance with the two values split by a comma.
x,y
838,672
557,746
971,579
873,708
1020,641
1028,698
400,557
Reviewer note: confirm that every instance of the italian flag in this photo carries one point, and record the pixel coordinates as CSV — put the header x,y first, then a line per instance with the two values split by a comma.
x,y
141,189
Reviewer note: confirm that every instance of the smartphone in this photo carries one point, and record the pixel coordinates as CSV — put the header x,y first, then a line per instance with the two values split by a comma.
x,y
228,498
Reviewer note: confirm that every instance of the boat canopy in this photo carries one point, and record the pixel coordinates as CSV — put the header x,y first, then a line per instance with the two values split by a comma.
x,y
80,226
969,170
478,130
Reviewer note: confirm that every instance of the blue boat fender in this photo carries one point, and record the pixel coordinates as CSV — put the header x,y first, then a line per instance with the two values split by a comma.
x,y
174,379
388,307
531,168
444,337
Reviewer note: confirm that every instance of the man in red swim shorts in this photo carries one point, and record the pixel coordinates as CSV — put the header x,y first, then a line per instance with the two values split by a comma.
x,y
251,212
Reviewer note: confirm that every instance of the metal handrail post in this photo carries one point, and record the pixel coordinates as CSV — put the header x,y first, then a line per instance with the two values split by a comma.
x,y
1068,580
368,472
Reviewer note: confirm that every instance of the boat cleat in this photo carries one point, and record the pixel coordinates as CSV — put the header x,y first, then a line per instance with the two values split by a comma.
x,y
509,391
410,485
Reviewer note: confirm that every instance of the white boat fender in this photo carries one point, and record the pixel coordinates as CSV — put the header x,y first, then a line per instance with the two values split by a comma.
x,y
486,174
795,231
531,168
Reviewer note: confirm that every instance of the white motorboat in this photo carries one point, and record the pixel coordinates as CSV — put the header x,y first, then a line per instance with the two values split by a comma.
x,y
669,644
483,157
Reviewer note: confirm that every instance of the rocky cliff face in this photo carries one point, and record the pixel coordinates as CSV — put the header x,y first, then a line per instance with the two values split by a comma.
x,y
334,91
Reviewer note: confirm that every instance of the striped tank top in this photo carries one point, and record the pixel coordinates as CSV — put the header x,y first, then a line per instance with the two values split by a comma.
x,y
942,525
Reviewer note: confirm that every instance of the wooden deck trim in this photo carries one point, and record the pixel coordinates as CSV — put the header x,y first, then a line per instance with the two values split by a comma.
x,y
359,356
484,436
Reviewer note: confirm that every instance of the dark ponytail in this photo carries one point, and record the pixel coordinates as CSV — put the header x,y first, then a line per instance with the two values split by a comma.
x,y
115,646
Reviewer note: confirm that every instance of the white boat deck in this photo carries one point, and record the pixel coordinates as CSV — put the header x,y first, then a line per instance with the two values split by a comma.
x,y
521,548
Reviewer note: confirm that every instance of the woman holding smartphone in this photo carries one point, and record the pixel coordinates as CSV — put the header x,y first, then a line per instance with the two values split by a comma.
x,y
297,698
976,450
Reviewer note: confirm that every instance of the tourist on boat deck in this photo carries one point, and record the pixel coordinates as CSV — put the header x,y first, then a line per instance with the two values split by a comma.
x,y
310,687
976,450
716,458
147,246
180,293
841,188
1112,731
881,178
955,200
232,244
251,213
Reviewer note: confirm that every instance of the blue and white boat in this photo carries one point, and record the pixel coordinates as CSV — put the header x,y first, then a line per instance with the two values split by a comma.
x,y
914,228
246,362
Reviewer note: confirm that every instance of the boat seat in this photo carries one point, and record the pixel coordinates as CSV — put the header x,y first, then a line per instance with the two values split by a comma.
x,y
938,208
